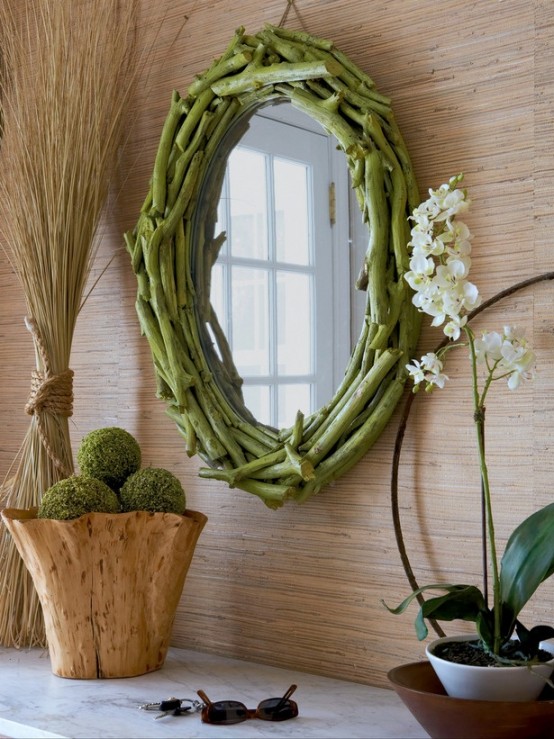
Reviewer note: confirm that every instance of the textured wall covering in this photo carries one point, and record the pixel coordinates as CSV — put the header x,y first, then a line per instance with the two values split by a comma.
x,y
473,91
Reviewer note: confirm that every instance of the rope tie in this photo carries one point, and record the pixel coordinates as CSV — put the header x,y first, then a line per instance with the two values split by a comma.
x,y
50,393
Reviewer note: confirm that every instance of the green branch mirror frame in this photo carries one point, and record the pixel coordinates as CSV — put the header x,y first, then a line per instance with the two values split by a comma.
x,y
173,248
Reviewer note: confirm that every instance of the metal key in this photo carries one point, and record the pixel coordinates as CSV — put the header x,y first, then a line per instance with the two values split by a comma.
x,y
172,706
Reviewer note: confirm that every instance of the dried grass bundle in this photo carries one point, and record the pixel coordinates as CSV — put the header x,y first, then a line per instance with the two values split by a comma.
x,y
67,83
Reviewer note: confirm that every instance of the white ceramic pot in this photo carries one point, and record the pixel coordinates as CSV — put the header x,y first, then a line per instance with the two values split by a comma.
x,y
490,683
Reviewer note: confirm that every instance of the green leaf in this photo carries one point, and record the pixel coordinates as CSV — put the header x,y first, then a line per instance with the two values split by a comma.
x,y
485,627
464,602
530,639
528,559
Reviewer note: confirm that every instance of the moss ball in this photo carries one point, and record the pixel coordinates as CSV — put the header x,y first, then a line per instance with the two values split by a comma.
x,y
153,489
109,454
75,496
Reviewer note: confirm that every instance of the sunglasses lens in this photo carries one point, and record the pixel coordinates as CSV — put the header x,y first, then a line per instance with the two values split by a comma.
x,y
276,709
226,712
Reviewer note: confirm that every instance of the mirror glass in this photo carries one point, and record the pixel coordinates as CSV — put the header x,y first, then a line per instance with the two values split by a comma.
x,y
281,285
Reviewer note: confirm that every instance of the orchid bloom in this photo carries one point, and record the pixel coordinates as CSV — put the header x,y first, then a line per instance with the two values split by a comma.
x,y
506,354
429,370
439,267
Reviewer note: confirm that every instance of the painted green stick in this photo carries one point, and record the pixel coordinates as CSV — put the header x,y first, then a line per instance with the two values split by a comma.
x,y
274,495
254,79
285,49
251,445
356,446
162,157
379,223
331,121
248,470
347,414
225,67
307,40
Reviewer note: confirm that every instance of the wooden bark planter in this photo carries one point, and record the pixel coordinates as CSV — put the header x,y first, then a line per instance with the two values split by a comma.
x,y
109,585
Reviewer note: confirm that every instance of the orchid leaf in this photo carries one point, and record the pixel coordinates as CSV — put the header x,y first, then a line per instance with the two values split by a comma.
x,y
464,602
406,602
528,559
484,625
530,639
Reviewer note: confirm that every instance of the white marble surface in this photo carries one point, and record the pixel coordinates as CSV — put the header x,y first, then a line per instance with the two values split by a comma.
x,y
36,703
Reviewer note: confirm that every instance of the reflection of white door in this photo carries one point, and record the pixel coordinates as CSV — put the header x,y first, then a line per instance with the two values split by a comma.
x,y
276,285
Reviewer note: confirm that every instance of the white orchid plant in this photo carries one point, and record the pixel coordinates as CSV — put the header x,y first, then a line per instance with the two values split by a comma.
x,y
439,266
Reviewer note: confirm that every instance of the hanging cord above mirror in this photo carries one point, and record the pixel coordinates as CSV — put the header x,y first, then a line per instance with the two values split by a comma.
x,y
292,4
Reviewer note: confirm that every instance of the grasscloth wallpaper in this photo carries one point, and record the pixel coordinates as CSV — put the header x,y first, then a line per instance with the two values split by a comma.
x,y
472,89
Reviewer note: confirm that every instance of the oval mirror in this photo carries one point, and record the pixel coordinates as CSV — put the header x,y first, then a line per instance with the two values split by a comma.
x,y
283,222
176,243
283,284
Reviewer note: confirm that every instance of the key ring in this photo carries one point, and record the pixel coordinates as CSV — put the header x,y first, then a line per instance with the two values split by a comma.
x,y
173,706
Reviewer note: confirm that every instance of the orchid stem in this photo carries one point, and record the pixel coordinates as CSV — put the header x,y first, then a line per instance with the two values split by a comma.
x,y
479,417
485,565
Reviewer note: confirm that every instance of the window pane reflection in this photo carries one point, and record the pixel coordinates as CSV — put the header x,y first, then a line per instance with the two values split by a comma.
x,y
217,294
257,400
291,399
294,327
248,204
250,320
291,211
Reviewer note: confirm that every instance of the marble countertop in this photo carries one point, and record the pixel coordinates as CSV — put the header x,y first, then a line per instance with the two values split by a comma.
x,y
36,703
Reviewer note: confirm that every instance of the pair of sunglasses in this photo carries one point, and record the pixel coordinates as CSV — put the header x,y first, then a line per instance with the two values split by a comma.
x,y
233,712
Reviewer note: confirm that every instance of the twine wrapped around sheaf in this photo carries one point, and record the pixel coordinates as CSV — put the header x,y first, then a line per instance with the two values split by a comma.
x,y
50,393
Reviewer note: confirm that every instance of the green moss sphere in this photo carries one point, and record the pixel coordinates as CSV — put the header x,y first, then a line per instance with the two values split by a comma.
x,y
109,454
153,489
75,496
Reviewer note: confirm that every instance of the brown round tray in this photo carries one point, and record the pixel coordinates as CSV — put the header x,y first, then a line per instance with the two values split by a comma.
x,y
444,717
